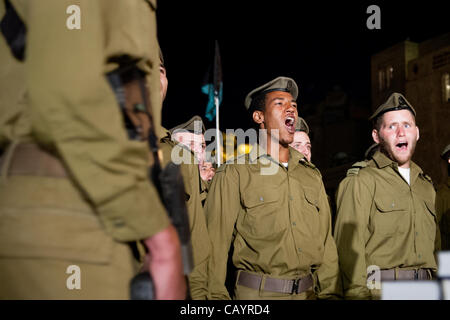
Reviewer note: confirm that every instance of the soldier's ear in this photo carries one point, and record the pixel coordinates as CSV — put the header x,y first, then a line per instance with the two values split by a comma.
x,y
258,116
418,134
375,136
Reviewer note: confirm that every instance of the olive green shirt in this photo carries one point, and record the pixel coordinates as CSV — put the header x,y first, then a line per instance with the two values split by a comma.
x,y
443,213
278,224
201,245
382,221
60,99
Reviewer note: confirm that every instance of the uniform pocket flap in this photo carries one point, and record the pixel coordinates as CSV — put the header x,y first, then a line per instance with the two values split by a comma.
x,y
312,196
388,204
258,197
54,233
431,207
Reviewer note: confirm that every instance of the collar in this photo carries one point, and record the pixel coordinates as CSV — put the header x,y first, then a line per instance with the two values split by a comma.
x,y
258,152
382,161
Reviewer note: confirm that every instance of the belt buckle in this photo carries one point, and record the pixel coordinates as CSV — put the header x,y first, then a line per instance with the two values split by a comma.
x,y
295,286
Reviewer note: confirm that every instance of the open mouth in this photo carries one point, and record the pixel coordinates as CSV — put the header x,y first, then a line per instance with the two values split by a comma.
x,y
290,124
402,146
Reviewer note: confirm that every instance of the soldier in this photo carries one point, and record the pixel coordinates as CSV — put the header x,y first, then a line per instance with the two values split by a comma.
x,y
74,192
385,208
189,137
201,246
443,203
301,142
207,171
277,222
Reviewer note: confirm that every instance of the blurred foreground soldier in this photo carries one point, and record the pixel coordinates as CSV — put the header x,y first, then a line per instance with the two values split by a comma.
x,y
385,209
443,203
75,193
276,221
301,142
201,246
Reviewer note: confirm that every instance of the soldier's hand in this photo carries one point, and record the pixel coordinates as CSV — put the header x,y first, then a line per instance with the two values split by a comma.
x,y
165,265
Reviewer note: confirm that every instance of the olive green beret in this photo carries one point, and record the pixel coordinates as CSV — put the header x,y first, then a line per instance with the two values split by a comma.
x,y
371,151
396,101
190,126
446,153
278,84
302,125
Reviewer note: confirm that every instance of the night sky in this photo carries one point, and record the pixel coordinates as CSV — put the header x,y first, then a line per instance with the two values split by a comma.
x,y
319,45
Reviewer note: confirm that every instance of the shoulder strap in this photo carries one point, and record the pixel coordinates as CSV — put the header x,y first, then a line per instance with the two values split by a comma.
x,y
354,170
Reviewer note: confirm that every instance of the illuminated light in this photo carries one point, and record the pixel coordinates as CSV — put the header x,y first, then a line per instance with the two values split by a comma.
x,y
244,148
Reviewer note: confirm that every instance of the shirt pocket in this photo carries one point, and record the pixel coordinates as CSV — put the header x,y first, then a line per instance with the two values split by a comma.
x,y
263,211
310,213
391,216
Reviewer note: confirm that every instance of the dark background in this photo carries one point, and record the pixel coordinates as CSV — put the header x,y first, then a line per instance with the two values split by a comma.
x,y
320,45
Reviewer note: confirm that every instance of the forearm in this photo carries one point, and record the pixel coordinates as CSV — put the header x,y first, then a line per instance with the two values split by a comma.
x,y
165,265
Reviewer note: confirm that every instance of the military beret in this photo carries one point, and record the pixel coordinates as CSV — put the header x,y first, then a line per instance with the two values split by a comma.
x,y
446,153
302,125
278,84
396,101
190,126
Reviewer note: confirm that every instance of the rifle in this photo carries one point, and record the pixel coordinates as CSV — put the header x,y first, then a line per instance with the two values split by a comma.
x,y
129,86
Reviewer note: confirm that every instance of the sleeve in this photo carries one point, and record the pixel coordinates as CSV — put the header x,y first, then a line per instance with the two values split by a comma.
x,y
74,112
353,212
328,277
221,208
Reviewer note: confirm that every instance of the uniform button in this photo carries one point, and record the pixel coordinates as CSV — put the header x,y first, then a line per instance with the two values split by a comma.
x,y
118,222
417,233
299,250
291,198
420,256
261,199
294,224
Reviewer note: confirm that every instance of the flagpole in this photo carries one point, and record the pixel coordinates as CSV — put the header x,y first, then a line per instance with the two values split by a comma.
x,y
218,147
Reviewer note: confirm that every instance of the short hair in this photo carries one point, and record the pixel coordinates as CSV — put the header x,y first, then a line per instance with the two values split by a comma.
x,y
258,103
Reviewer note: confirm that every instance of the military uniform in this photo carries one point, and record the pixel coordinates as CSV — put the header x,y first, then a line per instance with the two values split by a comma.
x,y
74,189
384,221
201,245
277,224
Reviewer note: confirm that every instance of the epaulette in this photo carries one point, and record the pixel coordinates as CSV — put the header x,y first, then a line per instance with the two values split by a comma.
x,y
308,164
427,177
354,170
